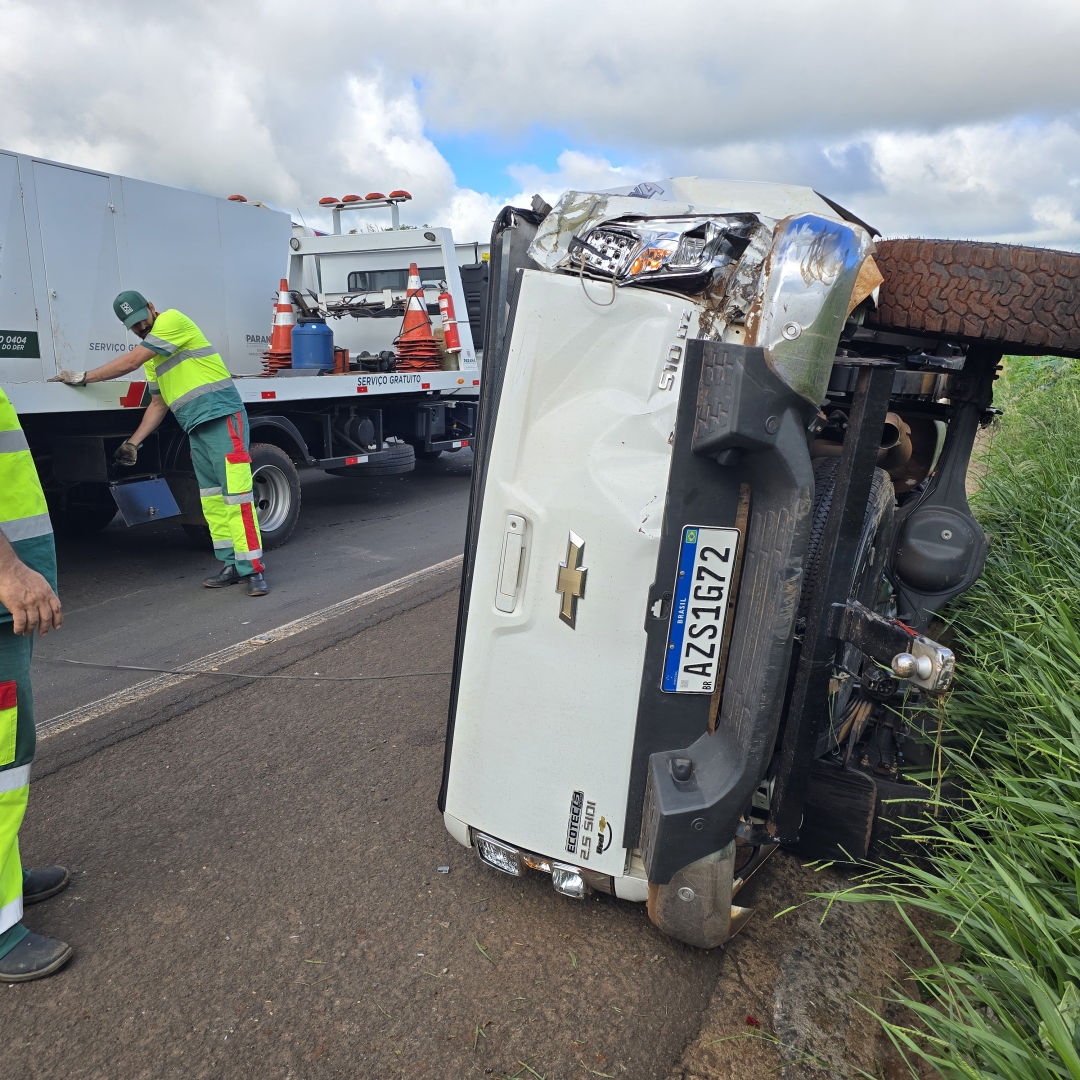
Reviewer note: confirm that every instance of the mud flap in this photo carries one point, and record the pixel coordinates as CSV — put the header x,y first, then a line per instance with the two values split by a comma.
x,y
140,501
695,906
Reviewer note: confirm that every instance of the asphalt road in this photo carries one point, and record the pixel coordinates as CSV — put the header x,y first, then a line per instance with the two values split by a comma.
x,y
256,887
257,893
133,596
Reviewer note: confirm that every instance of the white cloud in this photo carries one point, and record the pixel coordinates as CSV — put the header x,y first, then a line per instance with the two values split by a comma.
x,y
383,136
583,172
906,112
470,214
1007,182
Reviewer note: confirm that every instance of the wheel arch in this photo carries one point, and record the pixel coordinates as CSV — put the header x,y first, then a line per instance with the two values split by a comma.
x,y
281,432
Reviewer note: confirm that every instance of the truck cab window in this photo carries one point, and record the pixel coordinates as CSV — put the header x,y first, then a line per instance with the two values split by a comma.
x,y
372,281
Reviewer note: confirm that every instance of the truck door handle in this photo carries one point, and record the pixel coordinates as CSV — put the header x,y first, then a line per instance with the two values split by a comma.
x,y
510,566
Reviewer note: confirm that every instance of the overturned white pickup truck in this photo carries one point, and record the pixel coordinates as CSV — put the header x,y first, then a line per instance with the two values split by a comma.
x,y
719,493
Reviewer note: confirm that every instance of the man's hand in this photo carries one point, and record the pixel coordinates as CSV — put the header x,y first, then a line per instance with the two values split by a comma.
x,y
28,596
127,453
72,378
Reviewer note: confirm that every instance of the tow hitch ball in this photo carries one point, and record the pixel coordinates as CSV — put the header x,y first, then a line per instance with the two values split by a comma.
x,y
924,663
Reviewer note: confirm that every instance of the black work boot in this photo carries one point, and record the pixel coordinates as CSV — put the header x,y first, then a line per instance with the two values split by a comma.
x,y
227,576
257,585
43,882
34,958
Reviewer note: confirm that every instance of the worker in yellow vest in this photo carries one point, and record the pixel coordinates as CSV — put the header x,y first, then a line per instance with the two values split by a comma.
x,y
187,375
28,603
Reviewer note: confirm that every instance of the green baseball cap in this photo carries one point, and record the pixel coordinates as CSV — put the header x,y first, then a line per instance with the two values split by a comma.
x,y
130,307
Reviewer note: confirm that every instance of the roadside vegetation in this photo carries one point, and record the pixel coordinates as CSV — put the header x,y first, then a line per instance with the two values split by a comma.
x,y
1001,874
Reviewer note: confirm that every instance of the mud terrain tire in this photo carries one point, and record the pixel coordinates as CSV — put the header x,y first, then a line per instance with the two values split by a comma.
x,y
1025,300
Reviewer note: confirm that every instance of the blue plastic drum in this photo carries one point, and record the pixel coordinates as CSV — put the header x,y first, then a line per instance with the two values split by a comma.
x,y
313,346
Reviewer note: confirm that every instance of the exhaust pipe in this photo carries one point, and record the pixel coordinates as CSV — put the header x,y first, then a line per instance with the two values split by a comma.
x,y
893,452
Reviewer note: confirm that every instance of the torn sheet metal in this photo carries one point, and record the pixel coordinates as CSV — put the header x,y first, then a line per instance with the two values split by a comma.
x,y
803,298
792,278
868,283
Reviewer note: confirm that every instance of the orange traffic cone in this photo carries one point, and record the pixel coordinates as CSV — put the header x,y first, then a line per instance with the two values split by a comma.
x,y
280,352
415,347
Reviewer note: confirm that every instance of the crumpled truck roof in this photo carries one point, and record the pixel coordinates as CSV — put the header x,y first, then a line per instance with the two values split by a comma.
x,y
732,196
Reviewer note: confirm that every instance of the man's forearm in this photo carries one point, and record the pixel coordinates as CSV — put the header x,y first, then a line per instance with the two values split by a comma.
x,y
26,594
8,559
155,413
122,365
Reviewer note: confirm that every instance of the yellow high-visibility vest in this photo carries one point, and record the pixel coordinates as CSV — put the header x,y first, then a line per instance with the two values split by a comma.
x,y
188,371
24,514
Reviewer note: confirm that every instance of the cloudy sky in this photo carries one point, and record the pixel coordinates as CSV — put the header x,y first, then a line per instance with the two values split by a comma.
x,y
924,117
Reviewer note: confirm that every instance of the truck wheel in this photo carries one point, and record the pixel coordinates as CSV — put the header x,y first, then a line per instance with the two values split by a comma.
x,y
276,485
873,544
1023,299
428,455
81,509
400,458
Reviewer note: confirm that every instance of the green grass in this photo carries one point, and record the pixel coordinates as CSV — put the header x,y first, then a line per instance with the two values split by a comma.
x,y
1002,872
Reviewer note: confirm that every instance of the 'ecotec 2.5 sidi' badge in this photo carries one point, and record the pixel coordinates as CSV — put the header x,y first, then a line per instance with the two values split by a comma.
x,y
586,834
699,606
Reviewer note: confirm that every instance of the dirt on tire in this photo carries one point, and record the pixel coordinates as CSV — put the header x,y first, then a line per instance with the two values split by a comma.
x,y
1025,299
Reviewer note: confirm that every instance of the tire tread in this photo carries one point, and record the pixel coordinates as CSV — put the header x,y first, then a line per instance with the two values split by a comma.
x,y
1025,299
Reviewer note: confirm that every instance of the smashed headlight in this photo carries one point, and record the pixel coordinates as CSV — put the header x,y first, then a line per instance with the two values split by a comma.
x,y
660,249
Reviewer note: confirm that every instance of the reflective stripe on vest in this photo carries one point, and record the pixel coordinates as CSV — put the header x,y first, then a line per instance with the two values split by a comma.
x,y
187,366
23,512
198,391
166,347
170,362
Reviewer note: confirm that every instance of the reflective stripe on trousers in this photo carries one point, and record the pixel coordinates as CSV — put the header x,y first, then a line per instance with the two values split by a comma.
x,y
225,491
12,809
17,739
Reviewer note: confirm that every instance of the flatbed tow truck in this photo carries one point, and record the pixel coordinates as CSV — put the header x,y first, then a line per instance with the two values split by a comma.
x,y
72,238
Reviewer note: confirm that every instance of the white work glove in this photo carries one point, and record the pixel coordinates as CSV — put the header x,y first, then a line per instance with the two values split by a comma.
x,y
127,453
72,378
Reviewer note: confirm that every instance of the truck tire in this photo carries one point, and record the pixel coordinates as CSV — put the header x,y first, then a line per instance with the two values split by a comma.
x,y
1025,300
400,458
276,485
874,543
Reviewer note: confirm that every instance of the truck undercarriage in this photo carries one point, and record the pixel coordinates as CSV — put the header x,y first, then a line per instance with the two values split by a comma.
x,y
84,485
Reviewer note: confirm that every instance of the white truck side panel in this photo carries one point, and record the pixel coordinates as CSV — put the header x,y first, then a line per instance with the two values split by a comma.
x,y
254,259
71,239
17,314
580,444
78,242
172,255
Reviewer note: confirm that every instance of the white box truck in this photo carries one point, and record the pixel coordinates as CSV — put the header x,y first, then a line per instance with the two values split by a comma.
x,y
72,238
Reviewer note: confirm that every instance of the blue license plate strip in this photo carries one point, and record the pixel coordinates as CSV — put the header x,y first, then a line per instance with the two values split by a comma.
x,y
707,560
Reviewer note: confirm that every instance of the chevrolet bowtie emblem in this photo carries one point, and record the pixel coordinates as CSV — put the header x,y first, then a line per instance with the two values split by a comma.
x,y
571,581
